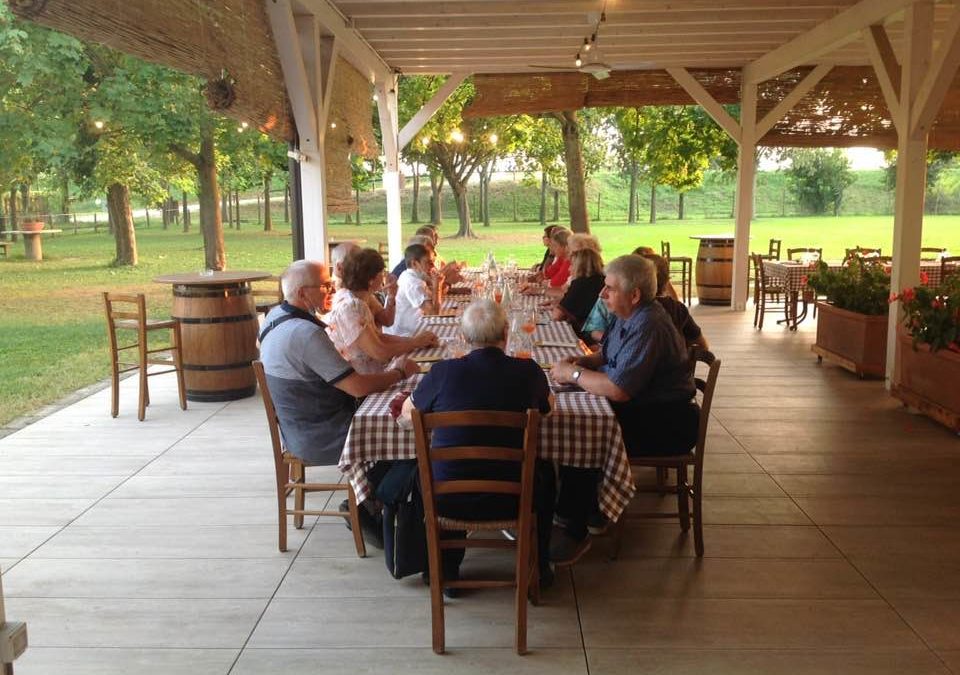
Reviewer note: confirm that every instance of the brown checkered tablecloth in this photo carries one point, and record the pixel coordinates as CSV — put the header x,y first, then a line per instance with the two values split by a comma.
x,y
582,431
791,273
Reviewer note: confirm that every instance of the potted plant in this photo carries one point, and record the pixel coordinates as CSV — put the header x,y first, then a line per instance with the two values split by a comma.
x,y
852,326
31,225
928,349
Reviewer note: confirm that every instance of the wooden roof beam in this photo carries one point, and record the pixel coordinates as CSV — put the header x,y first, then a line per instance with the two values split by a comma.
x,y
939,77
885,65
352,46
802,88
366,8
708,102
301,87
415,124
825,37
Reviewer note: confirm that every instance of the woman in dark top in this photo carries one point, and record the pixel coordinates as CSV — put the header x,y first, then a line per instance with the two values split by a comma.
x,y
586,274
548,254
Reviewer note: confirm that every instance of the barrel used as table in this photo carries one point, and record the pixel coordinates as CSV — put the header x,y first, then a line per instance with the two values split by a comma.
x,y
714,268
218,327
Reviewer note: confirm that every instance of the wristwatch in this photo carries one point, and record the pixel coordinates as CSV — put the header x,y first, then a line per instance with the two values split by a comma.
x,y
576,374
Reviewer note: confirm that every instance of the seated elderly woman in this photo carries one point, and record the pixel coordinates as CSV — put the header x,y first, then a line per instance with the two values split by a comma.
x,y
351,324
486,379
580,240
643,369
586,272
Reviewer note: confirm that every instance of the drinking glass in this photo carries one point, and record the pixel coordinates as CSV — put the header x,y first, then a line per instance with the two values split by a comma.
x,y
528,322
521,345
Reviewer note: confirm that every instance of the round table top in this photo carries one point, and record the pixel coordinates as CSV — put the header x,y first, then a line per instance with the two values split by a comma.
x,y
43,231
712,236
214,279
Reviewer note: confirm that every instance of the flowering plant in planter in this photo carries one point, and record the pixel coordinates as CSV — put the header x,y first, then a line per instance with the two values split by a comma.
x,y
932,315
860,287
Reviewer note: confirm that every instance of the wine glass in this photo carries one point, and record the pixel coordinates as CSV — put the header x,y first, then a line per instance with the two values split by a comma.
x,y
528,322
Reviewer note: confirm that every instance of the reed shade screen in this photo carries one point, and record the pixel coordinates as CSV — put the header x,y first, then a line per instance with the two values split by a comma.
x,y
846,108
352,135
202,38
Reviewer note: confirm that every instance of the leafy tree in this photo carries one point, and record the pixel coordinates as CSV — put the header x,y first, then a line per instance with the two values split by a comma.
x,y
455,146
818,178
540,151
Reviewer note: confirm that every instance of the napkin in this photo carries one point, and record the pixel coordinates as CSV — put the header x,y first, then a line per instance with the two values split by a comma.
x,y
396,403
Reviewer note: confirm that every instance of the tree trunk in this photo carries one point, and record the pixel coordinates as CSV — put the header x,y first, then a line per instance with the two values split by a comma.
x,y
485,196
576,187
632,210
3,218
110,226
13,212
653,203
267,220
209,194
236,209
436,199
543,198
186,212
556,206
357,198
64,199
25,200
286,201
125,237
680,205
415,207
463,209
224,209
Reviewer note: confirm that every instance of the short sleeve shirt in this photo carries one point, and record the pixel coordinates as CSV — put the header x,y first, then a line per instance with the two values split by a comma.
x,y
303,366
348,318
412,292
645,356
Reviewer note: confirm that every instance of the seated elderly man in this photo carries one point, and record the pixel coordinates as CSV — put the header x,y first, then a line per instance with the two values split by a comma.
x,y
419,291
486,379
643,369
314,388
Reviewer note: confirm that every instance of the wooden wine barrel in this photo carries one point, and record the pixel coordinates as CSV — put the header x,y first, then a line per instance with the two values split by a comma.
x,y
714,269
218,326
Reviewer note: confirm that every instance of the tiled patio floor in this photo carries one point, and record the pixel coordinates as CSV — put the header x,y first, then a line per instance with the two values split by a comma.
x,y
832,546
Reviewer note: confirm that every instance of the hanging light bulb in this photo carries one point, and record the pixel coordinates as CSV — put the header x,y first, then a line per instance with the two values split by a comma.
x,y
376,98
333,125
456,136
494,138
586,45
98,124
578,62
244,125
425,141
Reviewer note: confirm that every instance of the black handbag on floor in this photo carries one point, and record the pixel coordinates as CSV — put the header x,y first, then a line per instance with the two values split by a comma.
x,y
404,534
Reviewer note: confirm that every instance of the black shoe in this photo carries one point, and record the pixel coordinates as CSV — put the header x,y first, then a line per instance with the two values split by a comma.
x,y
565,549
546,578
371,526
597,524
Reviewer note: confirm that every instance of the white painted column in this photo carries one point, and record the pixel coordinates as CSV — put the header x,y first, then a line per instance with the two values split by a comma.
x,y
911,168
389,128
313,195
746,171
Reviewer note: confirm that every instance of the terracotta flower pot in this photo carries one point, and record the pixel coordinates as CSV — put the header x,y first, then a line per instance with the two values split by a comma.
x,y
32,226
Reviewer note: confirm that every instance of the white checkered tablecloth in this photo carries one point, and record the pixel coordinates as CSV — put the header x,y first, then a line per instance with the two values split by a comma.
x,y
582,431
791,273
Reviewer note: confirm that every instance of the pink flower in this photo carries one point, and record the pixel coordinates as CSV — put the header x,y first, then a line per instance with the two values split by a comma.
x,y
924,278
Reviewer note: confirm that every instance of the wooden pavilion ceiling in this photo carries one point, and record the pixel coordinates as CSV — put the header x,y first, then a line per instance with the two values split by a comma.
x,y
501,36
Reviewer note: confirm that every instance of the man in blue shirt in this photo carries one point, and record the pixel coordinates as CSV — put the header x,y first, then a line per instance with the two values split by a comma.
x,y
486,379
643,369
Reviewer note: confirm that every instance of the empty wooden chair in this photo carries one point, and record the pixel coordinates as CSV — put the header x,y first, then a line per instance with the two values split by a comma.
x,y
773,252
267,294
805,252
931,252
682,265
126,315
768,295
526,578
688,493
291,479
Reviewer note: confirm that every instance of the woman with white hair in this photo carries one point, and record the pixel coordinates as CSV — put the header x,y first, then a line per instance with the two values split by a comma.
x,y
643,369
486,379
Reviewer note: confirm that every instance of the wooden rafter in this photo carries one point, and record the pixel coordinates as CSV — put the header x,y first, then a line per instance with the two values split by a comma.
x,y
939,77
354,48
299,87
886,67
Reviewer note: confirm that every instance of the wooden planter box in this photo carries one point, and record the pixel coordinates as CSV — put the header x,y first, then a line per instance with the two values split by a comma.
x,y
929,381
857,342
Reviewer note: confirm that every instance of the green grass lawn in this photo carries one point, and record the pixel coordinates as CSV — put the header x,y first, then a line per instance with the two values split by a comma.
x,y
52,331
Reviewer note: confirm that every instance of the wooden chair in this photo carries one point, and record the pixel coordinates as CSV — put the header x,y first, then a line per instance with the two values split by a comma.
x,y
128,313
861,252
949,266
526,579
291,478
800,252
933,252
687,493
768,294
267,294
685,270
773,252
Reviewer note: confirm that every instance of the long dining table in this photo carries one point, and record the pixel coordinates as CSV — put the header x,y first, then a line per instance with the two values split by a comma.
x,y
581,431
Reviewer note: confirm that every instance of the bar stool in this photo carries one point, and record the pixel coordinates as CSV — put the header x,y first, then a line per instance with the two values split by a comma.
x,y
128,312
685,270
